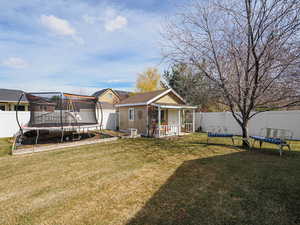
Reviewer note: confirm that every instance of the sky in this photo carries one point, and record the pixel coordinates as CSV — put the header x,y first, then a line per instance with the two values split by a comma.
x,y
79,46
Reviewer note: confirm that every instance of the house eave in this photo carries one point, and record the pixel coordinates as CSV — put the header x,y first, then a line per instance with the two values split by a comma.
x,y
174,106
5,101
131,104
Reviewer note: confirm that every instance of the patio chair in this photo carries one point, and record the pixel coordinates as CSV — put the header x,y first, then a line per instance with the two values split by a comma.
x,y
274,136
219,132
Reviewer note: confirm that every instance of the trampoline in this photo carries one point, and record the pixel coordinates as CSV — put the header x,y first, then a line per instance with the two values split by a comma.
x,y
59,112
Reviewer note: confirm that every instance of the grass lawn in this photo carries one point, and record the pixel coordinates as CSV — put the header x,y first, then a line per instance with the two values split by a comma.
x,y
5,146
149,181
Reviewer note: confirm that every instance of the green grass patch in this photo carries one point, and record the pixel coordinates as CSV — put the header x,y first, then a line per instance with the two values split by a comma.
x,y
5,146
152,181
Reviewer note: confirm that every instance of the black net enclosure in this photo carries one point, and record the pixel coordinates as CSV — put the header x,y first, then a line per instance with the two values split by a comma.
x,y
54,109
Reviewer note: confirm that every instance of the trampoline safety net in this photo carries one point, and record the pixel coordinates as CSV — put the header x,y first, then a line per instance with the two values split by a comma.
x,y
61,110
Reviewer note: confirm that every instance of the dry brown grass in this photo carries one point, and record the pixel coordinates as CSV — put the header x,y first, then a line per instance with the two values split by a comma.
x,y
150,181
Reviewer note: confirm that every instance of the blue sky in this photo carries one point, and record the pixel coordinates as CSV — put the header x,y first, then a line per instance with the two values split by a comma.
x,y
79,45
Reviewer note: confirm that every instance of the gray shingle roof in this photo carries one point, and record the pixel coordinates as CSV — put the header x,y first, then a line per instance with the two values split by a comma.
x,y
142,97
9,95
98,93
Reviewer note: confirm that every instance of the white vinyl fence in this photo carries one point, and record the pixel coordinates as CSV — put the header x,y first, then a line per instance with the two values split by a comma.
x,y
9,126
109,119
289,120
8,122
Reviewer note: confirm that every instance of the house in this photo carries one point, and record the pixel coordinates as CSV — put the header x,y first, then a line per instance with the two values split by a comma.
x,y
157,114
111,96
9,99
108,98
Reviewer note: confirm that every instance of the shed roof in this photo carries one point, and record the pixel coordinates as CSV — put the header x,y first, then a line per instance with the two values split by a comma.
x,y
10,95
142,97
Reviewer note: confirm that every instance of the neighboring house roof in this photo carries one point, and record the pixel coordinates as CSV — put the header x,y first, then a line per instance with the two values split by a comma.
x,y
98,93
9,95
122,94
147,97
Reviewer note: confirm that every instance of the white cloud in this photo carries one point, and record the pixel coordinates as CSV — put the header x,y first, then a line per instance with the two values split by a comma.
x,y
57,25
111,20
115,24
60,27
15,62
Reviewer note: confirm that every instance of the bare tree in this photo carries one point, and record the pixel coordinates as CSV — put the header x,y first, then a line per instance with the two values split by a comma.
x,y
249,48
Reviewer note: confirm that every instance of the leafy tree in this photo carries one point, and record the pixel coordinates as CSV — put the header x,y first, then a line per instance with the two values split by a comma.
x,y
249,47
191,84
149,80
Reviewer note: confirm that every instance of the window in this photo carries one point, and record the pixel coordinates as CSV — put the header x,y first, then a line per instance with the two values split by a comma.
x,y
20,108
131,114
2,107
163,116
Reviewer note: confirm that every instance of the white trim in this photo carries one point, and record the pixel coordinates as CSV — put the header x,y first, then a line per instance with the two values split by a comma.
x,y
131,104
147,121
164,93
4,101
129,114
159,122
175,93
159,96
179,122
174,106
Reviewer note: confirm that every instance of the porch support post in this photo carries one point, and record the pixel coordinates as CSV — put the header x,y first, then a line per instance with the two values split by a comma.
x,y
179,121
193,120
159,113
148,126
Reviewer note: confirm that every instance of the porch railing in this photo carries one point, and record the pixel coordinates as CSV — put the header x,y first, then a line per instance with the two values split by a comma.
x,y
169,130
187,127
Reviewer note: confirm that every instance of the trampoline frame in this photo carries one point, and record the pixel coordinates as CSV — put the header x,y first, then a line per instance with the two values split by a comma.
x,y
62,128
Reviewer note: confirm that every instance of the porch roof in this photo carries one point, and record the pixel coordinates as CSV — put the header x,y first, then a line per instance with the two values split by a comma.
x,y
173,106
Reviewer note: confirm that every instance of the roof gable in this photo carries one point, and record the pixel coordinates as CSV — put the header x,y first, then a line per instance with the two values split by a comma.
x,y
150,97
170,98
98,93
118,93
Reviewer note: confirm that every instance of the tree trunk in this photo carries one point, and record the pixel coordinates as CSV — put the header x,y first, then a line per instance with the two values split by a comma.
x,y
244,127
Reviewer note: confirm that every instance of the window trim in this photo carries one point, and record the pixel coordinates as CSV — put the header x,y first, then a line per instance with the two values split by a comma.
x,y
129,110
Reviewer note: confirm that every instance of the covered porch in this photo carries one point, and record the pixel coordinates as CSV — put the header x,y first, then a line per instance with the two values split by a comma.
x,y
170,120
